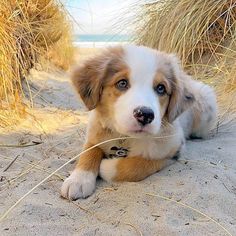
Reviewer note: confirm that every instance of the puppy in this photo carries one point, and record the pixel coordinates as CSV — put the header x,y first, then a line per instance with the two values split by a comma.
x,y
144,96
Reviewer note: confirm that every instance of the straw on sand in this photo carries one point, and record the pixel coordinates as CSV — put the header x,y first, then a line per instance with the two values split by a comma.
x,y
29,31
5,214
202,33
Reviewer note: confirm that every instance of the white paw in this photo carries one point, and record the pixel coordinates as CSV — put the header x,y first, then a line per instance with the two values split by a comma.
x,y
80,184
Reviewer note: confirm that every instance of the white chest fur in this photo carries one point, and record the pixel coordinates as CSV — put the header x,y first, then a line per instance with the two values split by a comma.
x,y
158,147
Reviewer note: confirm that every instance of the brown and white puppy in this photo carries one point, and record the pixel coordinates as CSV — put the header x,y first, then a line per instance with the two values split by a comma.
x,y
135,91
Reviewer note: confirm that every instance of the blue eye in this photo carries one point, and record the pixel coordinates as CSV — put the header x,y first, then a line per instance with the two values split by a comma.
x,y
122,84
160,89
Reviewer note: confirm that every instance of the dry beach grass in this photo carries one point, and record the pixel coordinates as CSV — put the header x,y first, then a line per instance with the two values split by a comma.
x,y
31,31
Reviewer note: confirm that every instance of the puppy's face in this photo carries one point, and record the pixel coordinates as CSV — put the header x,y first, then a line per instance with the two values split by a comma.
x,y
133,89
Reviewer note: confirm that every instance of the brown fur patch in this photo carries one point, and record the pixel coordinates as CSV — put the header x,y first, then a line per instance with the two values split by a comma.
x,y
96,133
88,79
163,100
181,97
134,169
197,114
111,94
91,160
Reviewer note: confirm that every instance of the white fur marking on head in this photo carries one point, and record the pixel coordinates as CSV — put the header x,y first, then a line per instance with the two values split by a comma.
x,y
143,64
142,61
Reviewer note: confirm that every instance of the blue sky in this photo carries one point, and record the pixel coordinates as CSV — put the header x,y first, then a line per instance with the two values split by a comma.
x,y
97,16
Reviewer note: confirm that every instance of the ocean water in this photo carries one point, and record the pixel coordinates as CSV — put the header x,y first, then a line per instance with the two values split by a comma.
x,y
100,40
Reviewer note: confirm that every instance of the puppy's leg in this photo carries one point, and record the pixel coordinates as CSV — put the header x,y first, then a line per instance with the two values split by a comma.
x,y
204,112
81,183
130,169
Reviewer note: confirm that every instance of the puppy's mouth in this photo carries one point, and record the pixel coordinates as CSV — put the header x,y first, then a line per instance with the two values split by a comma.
x,y
137,130
140,131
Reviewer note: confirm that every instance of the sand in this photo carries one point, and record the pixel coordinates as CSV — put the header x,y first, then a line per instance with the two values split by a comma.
x,y
155,206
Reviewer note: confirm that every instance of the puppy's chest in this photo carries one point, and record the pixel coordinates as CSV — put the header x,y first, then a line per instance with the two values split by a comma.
x,y
131,147
146,148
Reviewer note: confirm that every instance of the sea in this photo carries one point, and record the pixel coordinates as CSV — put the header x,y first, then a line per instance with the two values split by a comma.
x,y
100,40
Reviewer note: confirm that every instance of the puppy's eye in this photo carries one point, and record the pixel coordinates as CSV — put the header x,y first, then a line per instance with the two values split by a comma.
x,y
160,89
122,84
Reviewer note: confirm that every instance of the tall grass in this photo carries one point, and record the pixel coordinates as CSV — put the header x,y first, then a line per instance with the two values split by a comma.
x,y
202,33
30,30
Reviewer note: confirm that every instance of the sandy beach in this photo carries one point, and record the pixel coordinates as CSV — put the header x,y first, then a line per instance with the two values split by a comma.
x,y
195,196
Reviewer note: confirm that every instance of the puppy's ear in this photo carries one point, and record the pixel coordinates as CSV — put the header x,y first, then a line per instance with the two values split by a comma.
x,y
88,80
181,97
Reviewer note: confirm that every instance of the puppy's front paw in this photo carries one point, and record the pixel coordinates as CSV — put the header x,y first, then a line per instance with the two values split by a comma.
x,y
80,184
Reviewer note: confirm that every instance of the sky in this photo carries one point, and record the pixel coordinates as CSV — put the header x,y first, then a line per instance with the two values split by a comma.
x,y
99,16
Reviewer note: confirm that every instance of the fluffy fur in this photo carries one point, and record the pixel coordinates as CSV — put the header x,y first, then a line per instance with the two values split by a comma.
x,y
116,84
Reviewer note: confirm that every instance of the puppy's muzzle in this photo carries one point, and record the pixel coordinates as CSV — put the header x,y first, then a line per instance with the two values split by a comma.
x,y
144,115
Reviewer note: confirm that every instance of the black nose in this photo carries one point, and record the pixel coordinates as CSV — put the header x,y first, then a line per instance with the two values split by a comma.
x,y
144,115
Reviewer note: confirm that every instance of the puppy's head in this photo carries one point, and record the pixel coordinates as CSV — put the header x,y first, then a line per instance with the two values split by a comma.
x,y
133,89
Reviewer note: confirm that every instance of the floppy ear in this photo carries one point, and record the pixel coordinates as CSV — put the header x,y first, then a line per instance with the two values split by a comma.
x,y
88,80
181,97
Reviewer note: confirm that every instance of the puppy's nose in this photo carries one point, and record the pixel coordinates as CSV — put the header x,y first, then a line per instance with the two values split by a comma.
x,y
144,115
